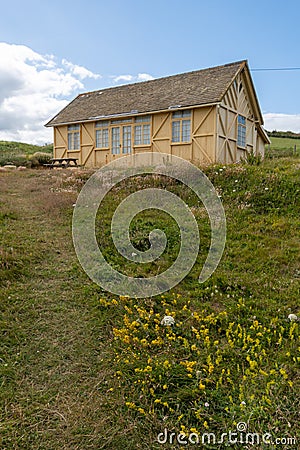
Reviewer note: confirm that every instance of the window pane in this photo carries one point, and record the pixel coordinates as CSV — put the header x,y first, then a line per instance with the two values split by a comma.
x,y
70,141
102,138
115,140
121,121
76,141
73,127
146,134
73,141
186,113
127,139
138,135
105,137
177,114
241,139
186,131
176,131
180,114
98,138
142,119
242,120
101,124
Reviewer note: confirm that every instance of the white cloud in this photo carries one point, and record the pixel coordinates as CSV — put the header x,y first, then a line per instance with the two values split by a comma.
x,y
282,122
133,78
80,71
33,88
123,78
144,77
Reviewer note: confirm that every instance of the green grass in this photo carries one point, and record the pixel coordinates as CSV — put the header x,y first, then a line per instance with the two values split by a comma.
x,y
280,147
83,369
19,153
19,148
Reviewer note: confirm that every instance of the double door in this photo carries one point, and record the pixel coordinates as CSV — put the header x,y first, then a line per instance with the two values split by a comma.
x,y
121,140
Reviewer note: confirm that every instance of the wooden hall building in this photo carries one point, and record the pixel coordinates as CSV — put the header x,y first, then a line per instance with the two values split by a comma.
x,y
205,116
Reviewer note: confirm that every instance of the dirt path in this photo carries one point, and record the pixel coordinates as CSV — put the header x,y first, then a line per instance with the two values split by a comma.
x,y
53,381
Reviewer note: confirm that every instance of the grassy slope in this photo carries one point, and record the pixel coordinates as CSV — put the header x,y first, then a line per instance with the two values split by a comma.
x,y
18,152
20,148
69,352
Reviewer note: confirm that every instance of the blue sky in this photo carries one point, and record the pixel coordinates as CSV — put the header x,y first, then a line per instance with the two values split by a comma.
x,y
52,50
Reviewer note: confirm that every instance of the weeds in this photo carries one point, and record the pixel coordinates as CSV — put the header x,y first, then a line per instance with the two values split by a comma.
x,y
81,368
252,159
205,369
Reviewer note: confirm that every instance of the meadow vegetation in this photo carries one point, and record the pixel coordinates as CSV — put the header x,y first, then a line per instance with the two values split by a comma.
x,y
28,155
83,369
283,146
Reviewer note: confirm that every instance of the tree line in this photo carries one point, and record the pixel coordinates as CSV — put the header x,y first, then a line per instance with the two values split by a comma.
x,y
284,134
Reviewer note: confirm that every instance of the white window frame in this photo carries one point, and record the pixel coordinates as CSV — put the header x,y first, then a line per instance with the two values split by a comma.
x,y
74,137
142,131
181,127
102,134
116,139
241,131
126,139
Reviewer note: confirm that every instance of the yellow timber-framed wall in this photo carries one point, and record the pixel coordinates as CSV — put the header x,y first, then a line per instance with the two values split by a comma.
x,y
238,100
213,132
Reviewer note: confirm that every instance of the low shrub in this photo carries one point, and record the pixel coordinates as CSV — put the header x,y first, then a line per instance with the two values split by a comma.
x,y
16,160
40,158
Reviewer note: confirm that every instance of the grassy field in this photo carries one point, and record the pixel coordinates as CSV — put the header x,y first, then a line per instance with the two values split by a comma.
x,y
283,147
83,369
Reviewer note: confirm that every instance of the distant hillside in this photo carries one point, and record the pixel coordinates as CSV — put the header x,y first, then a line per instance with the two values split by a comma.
x,y
20,153
19,148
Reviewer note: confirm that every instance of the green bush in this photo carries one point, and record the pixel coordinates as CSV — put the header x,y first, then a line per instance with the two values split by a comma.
x,y
35,160
17,160
40,158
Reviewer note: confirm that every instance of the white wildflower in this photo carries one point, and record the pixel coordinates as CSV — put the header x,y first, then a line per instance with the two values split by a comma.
x,y
293,317
206,404
168,321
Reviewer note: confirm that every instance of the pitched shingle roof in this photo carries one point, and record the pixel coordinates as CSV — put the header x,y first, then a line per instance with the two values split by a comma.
x,y
186,89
